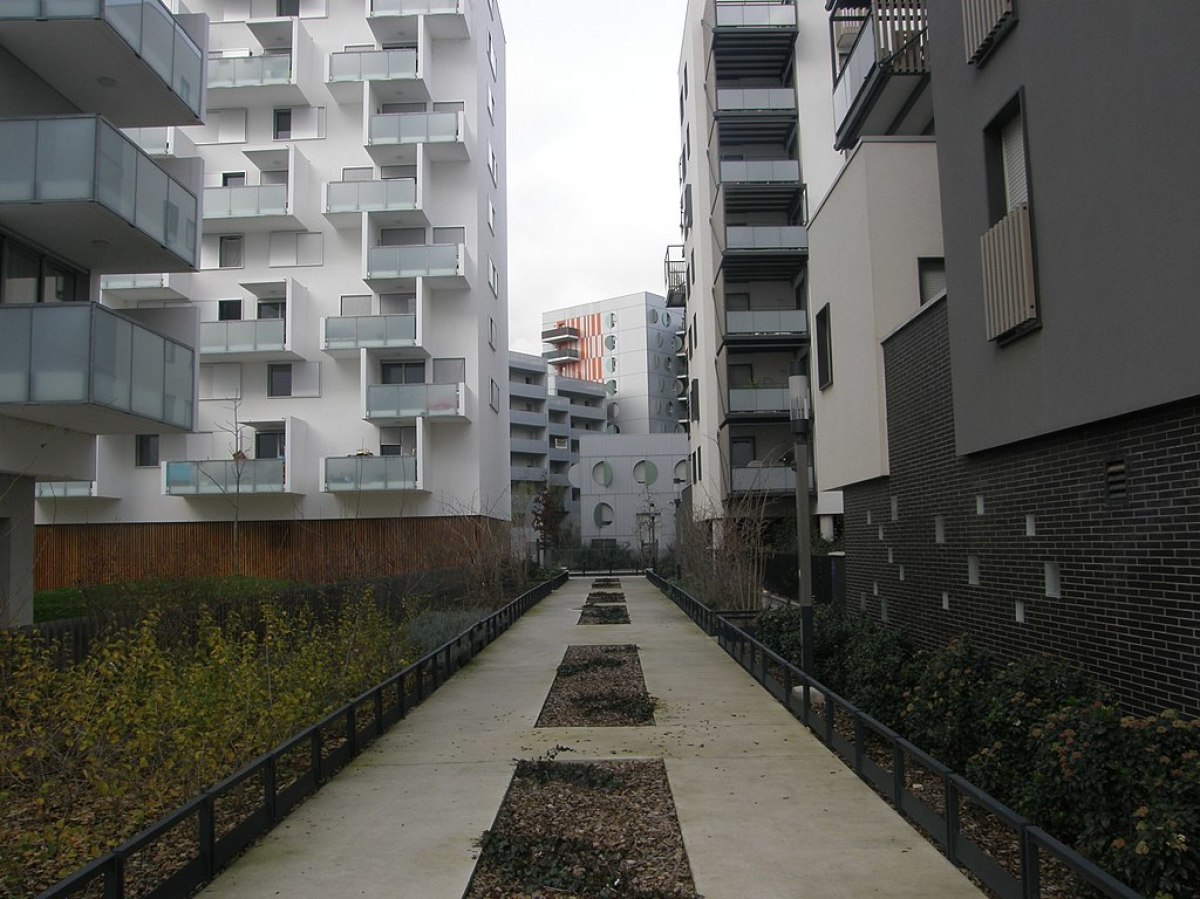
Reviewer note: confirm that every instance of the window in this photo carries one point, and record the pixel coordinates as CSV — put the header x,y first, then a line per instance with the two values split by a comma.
x,y
229,310
279,380
283,124
491,104
931,277
29,277
493,165
824,349
269,445
145,450
450,371
491,216
741,451
272,309
233,179
491,332
230,251
287,7
296,248
1007,174
402,372
493,278
449,235
495,396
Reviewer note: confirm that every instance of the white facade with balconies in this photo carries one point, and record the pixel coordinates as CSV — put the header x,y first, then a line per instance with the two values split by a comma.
x,y
352,344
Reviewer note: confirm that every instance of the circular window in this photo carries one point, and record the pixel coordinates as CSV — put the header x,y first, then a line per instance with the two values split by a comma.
x,y
680,476
602,474
614,410
658,339
666,319
612,363
611,319
681,428
610,387
603,515
653,316
611,428
645,472
610,342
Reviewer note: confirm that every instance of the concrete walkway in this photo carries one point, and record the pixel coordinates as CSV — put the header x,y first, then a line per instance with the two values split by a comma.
x,y
765,810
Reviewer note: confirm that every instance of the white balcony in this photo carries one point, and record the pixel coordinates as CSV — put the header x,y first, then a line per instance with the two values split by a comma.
x,y
162,143
396,76
176,286
756,15
391,404
82,190
134,62
393,202
371,474
393,20
84,367
561,355
60,490
392,138
271,79
764,252
260,340
440,265
224,477
249,208
345,335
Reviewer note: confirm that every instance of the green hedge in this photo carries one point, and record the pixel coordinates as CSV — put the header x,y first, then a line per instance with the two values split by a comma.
x,y
1041,737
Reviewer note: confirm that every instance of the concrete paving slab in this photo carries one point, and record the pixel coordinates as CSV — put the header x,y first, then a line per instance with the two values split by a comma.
x,y
765,810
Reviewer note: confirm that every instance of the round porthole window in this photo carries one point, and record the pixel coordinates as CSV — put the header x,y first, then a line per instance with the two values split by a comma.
x,y
652,315
602,474
603,515
666,319
610,387
645,472
610,342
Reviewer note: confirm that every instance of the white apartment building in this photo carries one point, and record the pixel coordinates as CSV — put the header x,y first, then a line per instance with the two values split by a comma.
x,y
630,344
352,300
750,165
79,200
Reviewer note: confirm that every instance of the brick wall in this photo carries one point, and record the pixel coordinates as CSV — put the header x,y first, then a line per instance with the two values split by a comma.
x,y
1127,564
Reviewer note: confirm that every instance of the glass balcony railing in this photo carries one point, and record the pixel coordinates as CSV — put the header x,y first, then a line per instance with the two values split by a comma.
x,y
225,477
65,489
415,128
82,353
245,201
352,332
854,73
765,99
147,26
249,71
413,7
755,15
778,479
758,399
766,237
242,336
371,196
766,321
415,400
84,159
372,65
355,474
756,171
444,260
135,282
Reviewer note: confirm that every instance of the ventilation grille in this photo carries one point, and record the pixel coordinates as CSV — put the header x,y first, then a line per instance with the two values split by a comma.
x,y
1115,484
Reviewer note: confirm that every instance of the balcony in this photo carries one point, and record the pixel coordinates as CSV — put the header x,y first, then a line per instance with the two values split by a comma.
x,y
393,137
753,39
58,490
527,473
345,335
527,446
758,403
164,143
762,185
371,474
139,64
527,419
225,477
776,479
441,265
82,190
392,202
84,367
248,208
562,334
246,341
1009,285
390,404
266,78
675,270
561,356
176,286
764,252
526,391
882,82
754,115
765,327
393,20
396,76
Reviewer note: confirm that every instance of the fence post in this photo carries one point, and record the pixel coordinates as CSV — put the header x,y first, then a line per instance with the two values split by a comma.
x,y
207,836
1031,875
951,818
269,787
807,623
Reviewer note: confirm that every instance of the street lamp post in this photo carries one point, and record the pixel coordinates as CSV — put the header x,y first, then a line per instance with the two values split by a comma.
x,y
801,418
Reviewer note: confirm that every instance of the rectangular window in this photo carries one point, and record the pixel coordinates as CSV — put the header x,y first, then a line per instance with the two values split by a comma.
x,y
230,251
931,275
287,7
491,216
269,445
492,333
272,309
741,451
402,372
495,396
145,451
824,349
493,278
229,310
233,179
296,248
1012,141
279,380
491,104
283,124
450,371
493,165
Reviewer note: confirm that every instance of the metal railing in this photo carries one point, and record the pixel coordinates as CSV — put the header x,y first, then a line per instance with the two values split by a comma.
x,y
291,772
796,691
892,37
1006,251
983,21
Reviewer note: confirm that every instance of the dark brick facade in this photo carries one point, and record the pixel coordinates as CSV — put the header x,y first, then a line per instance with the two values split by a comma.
x,y
1125,542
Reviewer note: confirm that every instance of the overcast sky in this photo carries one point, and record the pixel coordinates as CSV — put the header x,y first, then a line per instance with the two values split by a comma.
x,y
593,152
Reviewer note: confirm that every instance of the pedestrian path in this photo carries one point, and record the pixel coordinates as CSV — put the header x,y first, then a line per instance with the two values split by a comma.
x,y
766,811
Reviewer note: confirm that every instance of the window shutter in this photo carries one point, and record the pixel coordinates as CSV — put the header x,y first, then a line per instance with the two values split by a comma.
x,y
1012,139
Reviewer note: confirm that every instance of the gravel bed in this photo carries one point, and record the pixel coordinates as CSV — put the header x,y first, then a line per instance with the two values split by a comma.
x,y
605,596
604,614
598,686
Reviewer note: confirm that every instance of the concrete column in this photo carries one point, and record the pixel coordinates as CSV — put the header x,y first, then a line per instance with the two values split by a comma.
x,y
16,550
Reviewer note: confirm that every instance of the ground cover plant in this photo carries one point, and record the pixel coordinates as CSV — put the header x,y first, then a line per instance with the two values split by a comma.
x,y
603,614
585,829
106,599
598,686
92,753
1039,736
605,596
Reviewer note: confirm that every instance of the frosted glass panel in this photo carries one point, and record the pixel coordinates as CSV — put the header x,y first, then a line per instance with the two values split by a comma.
x,y
117,185
18,142
146,395
177,385
126,17
158,39
112,351
66,156
59,355
15,346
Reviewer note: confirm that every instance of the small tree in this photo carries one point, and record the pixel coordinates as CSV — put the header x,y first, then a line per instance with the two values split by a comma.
x,y
548,514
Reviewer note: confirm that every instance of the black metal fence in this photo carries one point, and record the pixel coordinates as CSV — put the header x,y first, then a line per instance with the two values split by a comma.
x,y
211,830
820,709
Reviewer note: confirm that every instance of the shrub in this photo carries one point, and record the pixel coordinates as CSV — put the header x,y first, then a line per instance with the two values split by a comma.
x,y
434,627
945,708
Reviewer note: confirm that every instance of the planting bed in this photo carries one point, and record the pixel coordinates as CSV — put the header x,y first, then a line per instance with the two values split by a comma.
x,y
603,597
598,686
604,614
